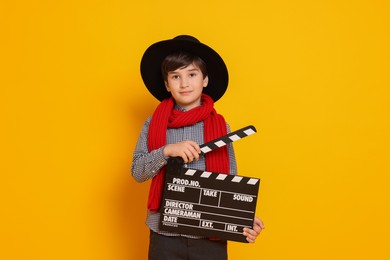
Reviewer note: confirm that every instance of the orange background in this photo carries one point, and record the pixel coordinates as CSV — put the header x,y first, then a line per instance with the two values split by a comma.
x,y
313,77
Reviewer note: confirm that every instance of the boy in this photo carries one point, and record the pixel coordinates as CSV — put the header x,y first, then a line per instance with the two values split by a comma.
x,y
187,76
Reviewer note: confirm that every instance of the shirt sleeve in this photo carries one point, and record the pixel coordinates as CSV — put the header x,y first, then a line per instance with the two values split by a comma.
x,y
146,164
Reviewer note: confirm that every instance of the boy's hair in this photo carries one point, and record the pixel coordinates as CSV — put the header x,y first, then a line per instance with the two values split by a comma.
x,y
179,60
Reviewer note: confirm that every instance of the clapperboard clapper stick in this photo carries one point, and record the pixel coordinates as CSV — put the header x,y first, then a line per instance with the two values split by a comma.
x,y
206,203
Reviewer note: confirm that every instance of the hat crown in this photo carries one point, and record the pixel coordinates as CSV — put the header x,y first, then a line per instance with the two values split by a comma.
x,y
186,38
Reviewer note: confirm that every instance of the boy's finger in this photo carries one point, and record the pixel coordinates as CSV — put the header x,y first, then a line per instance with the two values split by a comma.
x,y
196,146
259,222
249,237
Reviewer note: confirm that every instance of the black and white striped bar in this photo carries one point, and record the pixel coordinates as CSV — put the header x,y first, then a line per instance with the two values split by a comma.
x,y
221,176
229,138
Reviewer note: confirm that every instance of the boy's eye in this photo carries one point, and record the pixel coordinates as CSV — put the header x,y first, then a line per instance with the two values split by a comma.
x,y
192,75
175,77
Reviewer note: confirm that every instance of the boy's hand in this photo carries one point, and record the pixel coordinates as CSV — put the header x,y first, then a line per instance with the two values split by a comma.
x,y
187,150
251,234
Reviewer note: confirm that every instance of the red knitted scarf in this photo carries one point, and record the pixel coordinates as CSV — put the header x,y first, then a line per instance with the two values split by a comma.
x,y
165,117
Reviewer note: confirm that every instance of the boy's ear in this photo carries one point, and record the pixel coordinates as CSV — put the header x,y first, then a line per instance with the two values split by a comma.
x,y
205,81
166,86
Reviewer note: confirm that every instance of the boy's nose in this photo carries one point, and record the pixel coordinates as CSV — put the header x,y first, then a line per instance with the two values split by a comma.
x,y
184,83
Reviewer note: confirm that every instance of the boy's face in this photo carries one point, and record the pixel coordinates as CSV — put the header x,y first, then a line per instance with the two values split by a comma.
x,y
186,85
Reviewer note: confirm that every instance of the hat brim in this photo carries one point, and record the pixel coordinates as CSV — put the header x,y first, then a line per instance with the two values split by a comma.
x,y
156,53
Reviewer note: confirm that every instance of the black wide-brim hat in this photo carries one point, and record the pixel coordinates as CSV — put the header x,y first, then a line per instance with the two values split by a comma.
x,y
156,53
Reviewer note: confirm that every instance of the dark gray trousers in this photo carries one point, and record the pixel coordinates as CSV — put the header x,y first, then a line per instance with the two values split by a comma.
x,y
182,248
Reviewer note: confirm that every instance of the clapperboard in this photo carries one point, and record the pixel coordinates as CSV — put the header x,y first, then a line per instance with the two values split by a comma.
x,y
207,203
